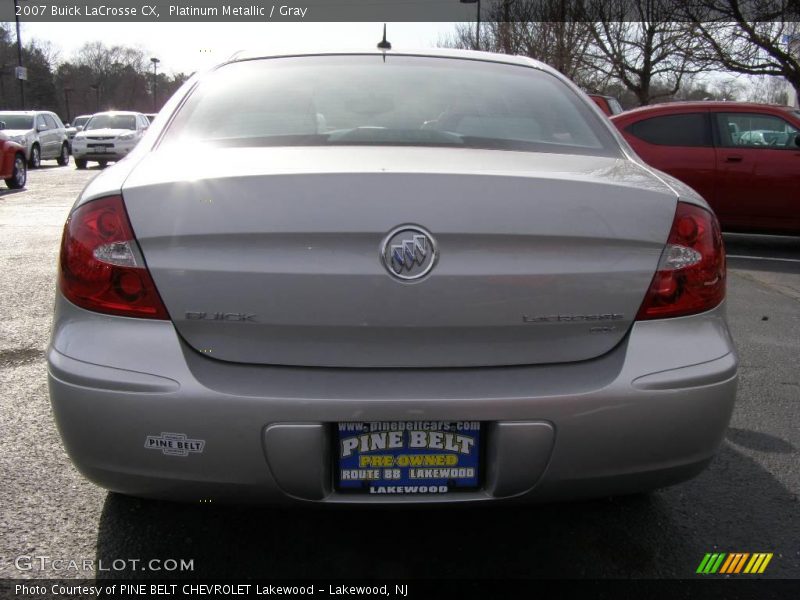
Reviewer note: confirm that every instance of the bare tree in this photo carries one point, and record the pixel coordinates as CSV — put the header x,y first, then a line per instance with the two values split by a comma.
x,y
104,60
728,89
639,43
547,30
38,58
51,54
102,77
769,90
752,37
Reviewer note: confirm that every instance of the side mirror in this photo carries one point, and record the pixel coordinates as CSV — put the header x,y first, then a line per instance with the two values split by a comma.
x,y
79,128
41,128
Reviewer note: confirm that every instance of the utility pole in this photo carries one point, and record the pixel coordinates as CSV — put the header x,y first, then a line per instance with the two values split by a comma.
x,y
96,88
67,90
20,72
477,22
505,28
155,62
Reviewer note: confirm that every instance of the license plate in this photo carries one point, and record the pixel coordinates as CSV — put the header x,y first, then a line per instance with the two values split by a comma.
x,y
407,457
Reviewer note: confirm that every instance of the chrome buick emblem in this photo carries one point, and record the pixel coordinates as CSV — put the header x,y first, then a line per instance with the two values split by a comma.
x,y
409,252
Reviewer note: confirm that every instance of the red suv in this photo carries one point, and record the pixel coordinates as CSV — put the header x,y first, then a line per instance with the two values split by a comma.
x,y
13,166
743,158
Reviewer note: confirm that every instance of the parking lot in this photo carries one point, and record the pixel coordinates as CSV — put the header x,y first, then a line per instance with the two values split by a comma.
x,y
747,501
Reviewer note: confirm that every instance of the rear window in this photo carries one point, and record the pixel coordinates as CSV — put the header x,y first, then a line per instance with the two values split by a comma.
x,y
691,129
17,121
399,100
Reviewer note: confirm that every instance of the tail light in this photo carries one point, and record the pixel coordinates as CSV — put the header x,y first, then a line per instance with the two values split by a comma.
x,y
102,268
691,273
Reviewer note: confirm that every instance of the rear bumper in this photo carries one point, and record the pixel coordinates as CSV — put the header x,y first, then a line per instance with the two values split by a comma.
x,y
650,413
106,156
120,151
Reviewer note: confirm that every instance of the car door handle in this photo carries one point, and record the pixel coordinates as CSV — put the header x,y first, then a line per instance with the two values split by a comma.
x,y
734,158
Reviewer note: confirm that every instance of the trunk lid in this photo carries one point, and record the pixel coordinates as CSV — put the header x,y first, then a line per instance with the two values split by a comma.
x,y
273,255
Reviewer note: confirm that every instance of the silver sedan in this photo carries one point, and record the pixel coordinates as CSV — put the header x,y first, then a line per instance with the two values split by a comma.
x,y
388,277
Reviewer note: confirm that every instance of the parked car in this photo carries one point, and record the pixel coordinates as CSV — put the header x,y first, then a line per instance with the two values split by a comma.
x,y
743,158
41,133
433,277
608,104
13,165
77,125
108,136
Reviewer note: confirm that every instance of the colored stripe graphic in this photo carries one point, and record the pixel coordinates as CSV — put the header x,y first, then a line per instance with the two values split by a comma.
x,y
703,563
758,563
753,564
729,564
734,563
741,562
711,563
717,564
765,563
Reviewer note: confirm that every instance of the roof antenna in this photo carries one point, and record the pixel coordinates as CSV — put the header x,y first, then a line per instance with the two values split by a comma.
x,y
383,44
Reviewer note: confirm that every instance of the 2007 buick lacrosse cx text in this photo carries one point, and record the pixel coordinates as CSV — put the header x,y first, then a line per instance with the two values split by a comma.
x,y
388,277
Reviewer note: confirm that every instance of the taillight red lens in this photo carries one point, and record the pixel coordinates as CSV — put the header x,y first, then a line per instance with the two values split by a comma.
x,y
101,268
691,274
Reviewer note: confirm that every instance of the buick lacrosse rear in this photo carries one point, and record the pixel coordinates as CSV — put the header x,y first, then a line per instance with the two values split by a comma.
x,y
387,277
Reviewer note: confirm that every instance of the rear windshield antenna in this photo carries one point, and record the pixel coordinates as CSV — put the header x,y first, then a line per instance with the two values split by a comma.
x,y
383,44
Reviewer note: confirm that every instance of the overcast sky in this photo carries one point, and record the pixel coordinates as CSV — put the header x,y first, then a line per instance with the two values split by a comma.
x,y
187,47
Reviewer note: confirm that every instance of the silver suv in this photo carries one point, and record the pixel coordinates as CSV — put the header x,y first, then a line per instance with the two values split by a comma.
x,y
40,132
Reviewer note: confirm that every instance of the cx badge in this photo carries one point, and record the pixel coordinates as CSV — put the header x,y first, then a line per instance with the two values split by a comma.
x,y
409,252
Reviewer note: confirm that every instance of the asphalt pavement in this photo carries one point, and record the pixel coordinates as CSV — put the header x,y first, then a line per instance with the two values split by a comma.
x,y
746,501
